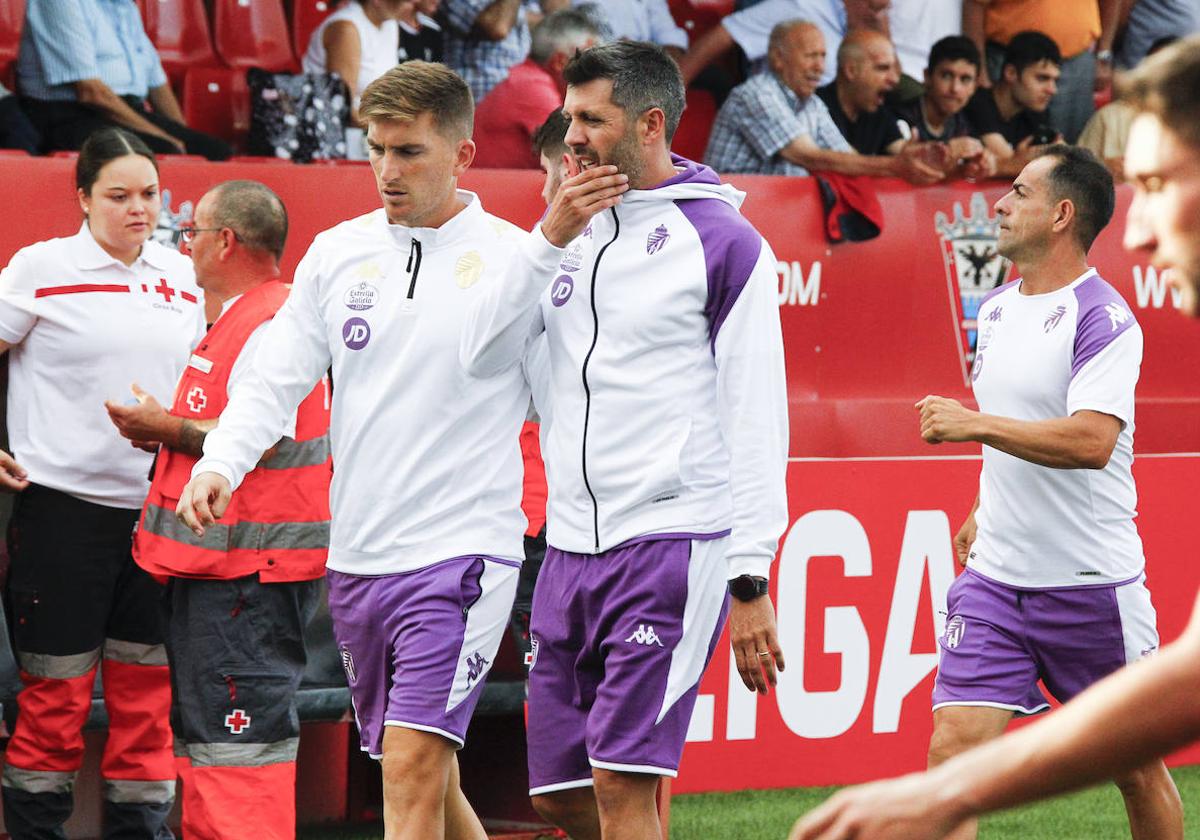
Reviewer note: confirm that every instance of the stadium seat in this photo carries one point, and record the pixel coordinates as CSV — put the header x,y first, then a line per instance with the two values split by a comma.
x,y
216,100
691,138
179,31
12,15
254,34
699,16
306,17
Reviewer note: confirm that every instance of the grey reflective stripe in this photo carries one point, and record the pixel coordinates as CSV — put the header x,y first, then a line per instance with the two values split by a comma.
x,y
262,536
140,793
290,454
38,781
58,667
134,653
242,755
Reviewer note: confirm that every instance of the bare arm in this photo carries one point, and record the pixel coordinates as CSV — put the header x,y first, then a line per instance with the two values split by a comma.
x,y
972,25
1140,713
1110,21
343,55
100,96
146,424
497,20
966,535
164,102
703,52
1085,440
804,152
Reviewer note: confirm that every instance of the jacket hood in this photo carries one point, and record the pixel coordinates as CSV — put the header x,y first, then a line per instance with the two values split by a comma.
x,y
691,180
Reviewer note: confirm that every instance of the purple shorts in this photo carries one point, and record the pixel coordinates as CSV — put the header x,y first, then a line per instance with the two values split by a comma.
x,y
1000,640
620,641
417,646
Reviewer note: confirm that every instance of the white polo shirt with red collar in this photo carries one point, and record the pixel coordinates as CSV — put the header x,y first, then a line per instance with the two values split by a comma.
x,y
83,326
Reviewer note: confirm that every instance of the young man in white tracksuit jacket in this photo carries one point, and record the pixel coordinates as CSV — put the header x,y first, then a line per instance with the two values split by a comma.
x,y
426,533
667,449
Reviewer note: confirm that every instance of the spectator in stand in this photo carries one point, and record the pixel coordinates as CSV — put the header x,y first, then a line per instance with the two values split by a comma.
x,y
1011,115
1077,28
866,72
950,82
751,28
774,124
420,34
1151,21
359,42
640,20
88,64
485,39
506,121
16,131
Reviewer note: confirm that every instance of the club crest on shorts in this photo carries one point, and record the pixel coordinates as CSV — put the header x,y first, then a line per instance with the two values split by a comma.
x,y
348,666
531,657
645,635
955,628
973,268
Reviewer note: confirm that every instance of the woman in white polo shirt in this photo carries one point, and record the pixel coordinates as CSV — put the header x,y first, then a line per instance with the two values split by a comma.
x,y
83,318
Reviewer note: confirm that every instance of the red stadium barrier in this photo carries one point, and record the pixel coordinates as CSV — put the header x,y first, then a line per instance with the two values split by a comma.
x,y
869,329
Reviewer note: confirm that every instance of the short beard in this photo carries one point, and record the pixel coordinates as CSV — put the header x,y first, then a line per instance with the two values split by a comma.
x,y
627,157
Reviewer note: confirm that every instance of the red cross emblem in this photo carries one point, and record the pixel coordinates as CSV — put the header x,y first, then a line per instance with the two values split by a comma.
x,y
236,721
197,399
163,289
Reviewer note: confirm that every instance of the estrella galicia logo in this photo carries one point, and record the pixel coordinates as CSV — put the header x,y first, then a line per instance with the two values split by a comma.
x,y
476,666
348,666
361,297
657,239
356,332
560,292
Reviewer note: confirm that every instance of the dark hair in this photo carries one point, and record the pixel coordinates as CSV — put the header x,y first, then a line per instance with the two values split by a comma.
x,y
643,77
1167,85
1081,178
252,211
101,148
551,137
954,48
1031,47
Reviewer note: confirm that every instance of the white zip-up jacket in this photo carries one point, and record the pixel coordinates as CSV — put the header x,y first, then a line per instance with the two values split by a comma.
x,y
666,371
427,460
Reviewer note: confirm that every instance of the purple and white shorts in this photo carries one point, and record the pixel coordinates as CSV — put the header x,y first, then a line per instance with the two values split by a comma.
x,y
620,641
1001,640
417,646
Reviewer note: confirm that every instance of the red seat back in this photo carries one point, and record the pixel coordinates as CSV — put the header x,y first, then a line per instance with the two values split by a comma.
x,y
691,138
179,31
216,100
253,33
12,16
306,17
699,16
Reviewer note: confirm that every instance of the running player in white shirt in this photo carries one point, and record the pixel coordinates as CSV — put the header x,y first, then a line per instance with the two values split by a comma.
x,y
426,532
82,318
1140,713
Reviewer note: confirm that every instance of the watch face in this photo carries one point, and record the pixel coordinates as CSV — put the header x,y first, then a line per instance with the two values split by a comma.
x,y
745,588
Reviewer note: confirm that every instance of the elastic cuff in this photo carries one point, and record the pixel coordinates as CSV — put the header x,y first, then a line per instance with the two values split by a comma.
x,y
208,465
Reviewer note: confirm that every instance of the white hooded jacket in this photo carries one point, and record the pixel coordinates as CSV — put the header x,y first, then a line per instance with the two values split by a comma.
x,y
666,370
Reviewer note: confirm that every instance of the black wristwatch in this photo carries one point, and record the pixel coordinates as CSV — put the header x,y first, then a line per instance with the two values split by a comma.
x,y
748,587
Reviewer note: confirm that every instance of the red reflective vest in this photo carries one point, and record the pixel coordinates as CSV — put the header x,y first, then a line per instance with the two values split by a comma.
x,y
277,523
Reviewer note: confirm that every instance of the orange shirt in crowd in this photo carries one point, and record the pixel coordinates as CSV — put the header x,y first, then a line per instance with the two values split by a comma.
x,y
1073,24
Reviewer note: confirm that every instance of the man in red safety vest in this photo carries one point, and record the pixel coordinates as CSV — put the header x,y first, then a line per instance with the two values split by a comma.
x,y
240,597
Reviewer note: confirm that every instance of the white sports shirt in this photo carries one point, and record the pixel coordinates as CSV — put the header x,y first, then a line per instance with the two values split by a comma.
x,y
1041,357
84,327
427,458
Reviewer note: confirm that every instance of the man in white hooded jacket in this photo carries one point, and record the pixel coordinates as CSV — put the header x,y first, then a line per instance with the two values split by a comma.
x,y
667,453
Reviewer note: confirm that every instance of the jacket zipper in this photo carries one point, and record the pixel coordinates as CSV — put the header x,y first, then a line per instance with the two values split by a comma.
x,y
414,251
587,390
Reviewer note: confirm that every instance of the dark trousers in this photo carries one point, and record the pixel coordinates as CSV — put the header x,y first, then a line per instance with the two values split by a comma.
x,y
16,131
66,125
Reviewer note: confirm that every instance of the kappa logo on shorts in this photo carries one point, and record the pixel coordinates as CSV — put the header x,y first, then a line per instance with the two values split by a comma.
x,y
348,666
476,666
645,635
531,657
237,721
955,628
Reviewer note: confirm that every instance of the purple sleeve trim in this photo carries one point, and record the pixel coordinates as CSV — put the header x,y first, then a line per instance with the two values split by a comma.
x,y
1103,316
1001,288
731,248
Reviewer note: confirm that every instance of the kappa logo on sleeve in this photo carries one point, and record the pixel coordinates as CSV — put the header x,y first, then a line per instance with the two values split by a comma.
x,y
1117,314
645,635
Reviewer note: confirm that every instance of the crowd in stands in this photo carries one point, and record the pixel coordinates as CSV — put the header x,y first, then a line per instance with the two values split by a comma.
x,y
917,89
